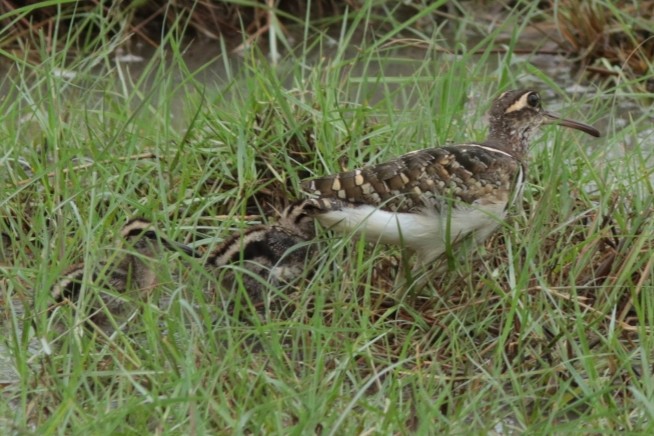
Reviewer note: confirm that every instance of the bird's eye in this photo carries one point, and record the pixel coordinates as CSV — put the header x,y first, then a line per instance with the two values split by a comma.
x,y
533,100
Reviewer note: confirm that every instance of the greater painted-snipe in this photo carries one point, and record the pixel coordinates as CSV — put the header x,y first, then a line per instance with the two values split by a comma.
x,y
429,200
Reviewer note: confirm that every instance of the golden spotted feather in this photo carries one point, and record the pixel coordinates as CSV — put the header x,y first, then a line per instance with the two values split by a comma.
x,y
468,173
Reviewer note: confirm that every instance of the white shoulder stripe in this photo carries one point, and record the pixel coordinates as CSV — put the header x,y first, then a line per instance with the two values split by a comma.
x,y
491,149
518,187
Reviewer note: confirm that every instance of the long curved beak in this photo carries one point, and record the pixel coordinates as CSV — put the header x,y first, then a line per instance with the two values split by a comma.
x,y
555,119
177,246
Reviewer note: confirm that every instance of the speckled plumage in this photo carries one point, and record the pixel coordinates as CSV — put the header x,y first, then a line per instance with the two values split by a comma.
x,y
429,199
134,272
269,253
425,178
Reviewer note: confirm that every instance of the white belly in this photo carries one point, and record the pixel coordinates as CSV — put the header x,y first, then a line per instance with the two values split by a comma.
x,y
428,233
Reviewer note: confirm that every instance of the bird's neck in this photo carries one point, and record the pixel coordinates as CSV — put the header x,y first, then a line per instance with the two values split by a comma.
x,y
509,139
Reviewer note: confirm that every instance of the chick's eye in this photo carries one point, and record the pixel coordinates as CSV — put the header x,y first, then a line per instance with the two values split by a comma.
x,y
533,100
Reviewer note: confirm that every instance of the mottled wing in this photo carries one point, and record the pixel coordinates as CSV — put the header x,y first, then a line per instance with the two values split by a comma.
x,y
239,246
69,284
467,173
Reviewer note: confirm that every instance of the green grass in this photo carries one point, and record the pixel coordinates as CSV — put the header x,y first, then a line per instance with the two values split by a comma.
x,y
546,329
